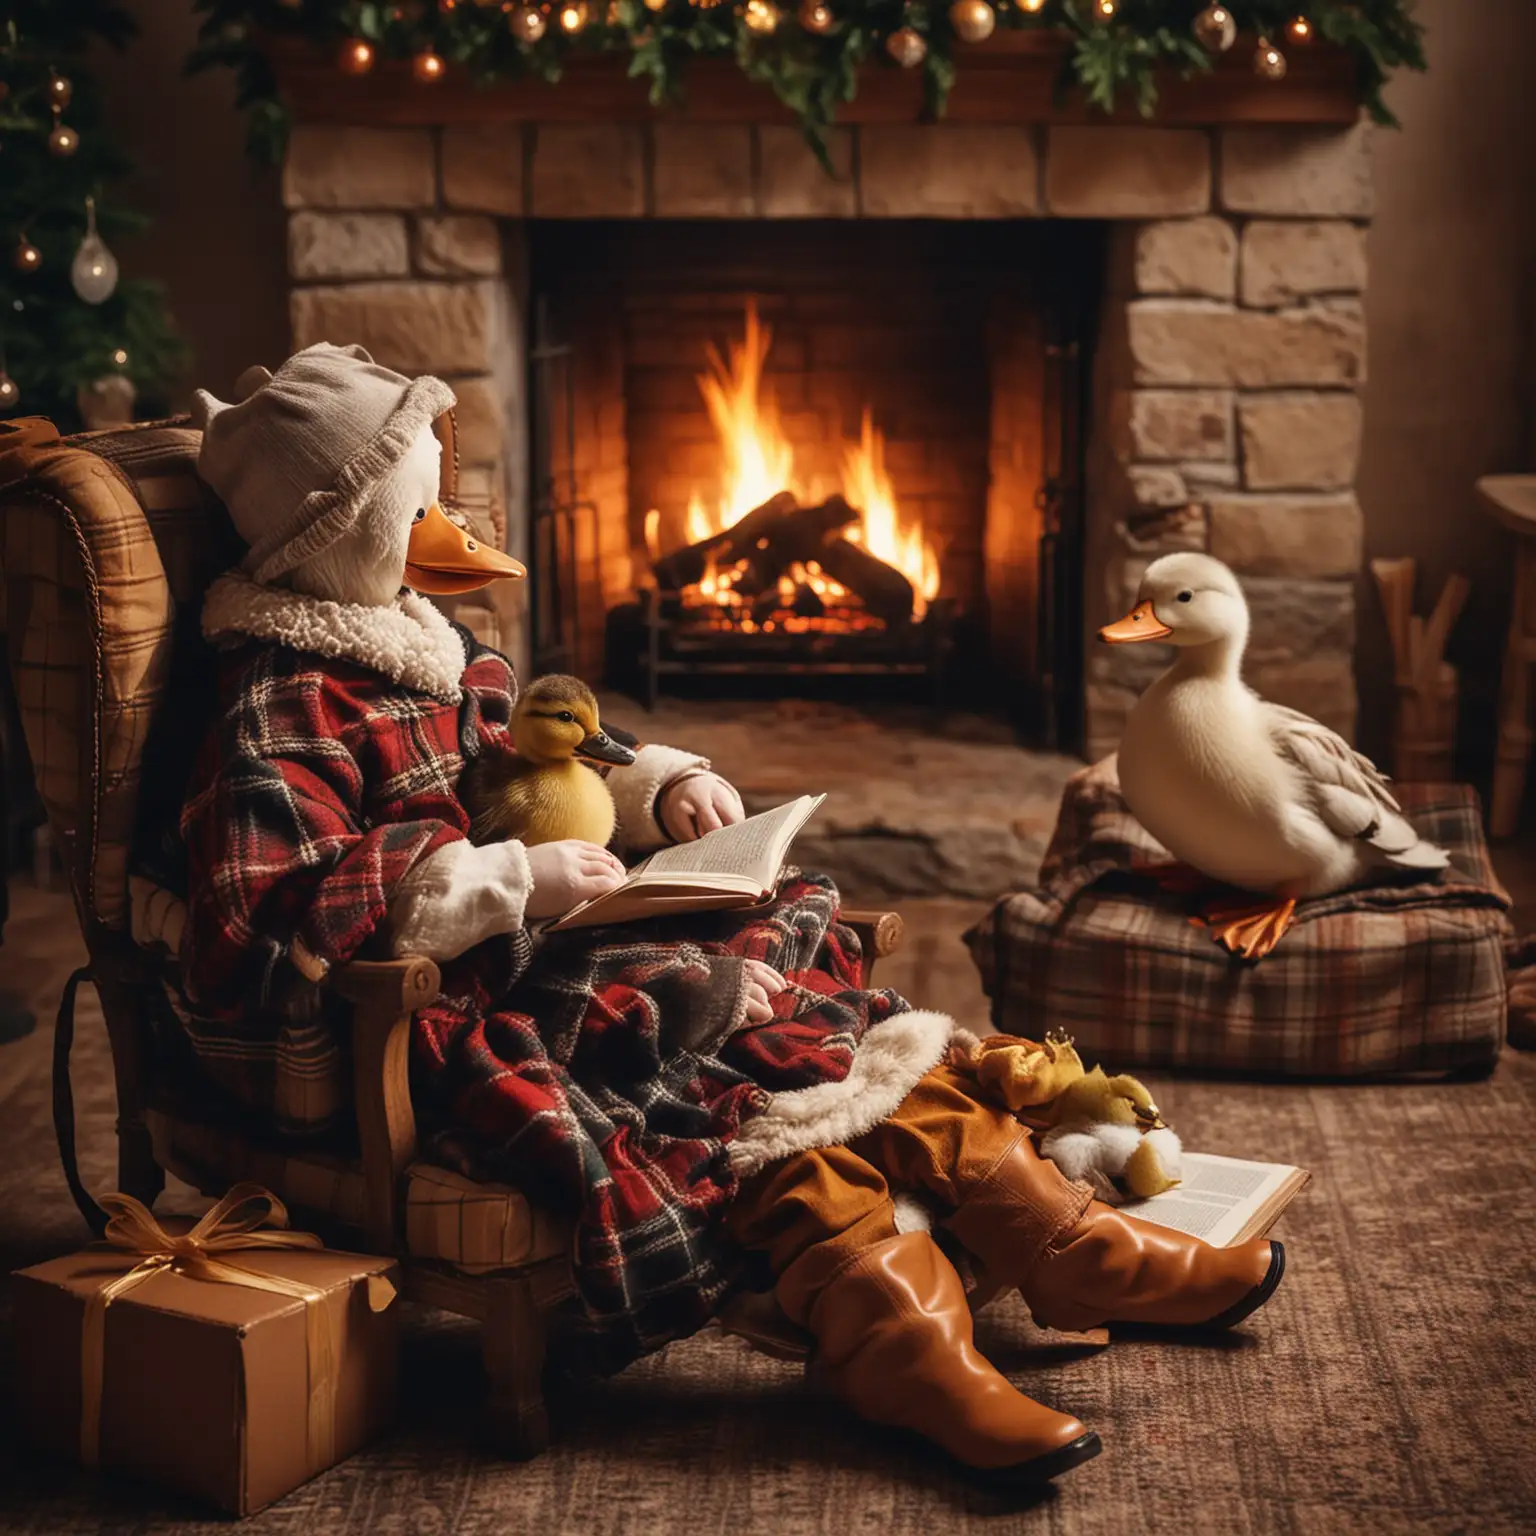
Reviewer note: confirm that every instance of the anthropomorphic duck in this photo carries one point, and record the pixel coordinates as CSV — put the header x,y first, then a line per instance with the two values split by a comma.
x,y
548,791
1247,793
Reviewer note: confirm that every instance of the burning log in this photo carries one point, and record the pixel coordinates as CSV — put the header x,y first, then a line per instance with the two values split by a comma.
x,y
780,534
766,537
683,567
881,587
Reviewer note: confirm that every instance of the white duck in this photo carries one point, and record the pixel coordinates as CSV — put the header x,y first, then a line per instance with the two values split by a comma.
x,y
1247,793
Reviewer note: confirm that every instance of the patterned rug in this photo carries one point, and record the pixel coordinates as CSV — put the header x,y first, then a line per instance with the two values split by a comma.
x,y
1385,1389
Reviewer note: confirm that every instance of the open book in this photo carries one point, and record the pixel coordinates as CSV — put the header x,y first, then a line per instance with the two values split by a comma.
x,y
1225,1200
735,866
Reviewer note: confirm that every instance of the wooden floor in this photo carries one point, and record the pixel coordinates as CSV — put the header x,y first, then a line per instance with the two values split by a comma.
x,y
1386,1388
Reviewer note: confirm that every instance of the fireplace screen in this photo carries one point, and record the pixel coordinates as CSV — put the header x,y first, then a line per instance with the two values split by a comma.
x,y
804,455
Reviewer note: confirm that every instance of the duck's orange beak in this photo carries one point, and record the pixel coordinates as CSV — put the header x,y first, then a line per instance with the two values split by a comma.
x,y
443,560
1141,623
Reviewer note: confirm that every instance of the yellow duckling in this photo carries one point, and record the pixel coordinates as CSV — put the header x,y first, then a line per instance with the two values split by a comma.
x,y
1107,1129
547,792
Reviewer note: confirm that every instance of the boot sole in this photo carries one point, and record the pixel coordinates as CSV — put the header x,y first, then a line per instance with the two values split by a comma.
x,y
1041,1469
1257,1296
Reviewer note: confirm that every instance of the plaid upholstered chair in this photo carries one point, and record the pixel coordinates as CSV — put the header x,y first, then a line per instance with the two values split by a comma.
x,y
107,542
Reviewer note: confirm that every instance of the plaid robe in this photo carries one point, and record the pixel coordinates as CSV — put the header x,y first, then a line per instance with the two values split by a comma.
x,y
605,1072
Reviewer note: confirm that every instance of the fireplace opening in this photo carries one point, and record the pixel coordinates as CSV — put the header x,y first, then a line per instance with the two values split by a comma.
x,y
812,458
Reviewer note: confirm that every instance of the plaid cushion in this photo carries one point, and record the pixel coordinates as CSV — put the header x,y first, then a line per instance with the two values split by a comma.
x,y
1388,979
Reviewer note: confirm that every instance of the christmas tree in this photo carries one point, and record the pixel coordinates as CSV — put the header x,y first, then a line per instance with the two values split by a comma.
x,y
71,334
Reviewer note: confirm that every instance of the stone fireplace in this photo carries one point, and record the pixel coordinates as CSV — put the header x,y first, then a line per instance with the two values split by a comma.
x,y
1081,347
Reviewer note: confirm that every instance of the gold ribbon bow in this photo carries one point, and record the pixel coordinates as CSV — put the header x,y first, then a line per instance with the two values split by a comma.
x,y
247,1217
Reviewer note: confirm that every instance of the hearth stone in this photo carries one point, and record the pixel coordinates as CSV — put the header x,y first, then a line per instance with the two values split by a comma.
x,y
916,806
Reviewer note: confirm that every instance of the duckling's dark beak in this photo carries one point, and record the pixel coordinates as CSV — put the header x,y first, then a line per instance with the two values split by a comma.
x,y
602,748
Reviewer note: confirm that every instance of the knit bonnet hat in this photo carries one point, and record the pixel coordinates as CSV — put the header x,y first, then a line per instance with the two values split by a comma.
x,y
303,450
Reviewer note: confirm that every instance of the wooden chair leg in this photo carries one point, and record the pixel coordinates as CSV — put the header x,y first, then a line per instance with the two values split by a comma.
x,y
516,1422
1514,744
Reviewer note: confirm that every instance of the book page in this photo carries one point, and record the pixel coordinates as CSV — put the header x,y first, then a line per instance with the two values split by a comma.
x,y
731,866
753,848
1218,1197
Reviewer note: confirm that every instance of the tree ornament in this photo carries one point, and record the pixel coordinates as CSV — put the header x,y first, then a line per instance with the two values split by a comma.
x,y
1299,30
27,258
1031,7
428,67
106,402
573,16
356,57
10,391
93,272
817,17
59,91
760,17
63,141
1105,10
907,47
1268,61
655,5
1215,29
120,357
528,25
974,21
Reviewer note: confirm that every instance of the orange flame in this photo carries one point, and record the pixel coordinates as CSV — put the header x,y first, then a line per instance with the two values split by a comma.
x,y
759,462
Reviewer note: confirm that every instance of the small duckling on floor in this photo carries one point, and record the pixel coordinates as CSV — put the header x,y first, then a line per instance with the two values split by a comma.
x,y
546,792
1107,1129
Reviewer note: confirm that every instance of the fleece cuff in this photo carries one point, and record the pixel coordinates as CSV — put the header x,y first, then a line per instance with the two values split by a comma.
x,y
457,896
635,790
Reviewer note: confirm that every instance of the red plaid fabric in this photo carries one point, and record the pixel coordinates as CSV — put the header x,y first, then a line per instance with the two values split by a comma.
x,y
601,1071
1392,978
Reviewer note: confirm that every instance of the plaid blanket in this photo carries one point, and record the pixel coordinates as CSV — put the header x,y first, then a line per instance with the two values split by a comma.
x,y
605,1072
1390,978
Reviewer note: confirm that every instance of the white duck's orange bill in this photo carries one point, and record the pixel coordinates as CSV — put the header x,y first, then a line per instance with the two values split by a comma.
x,y
1141,623
443,560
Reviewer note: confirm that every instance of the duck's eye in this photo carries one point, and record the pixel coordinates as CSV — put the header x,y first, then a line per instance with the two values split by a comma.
x,y
566,716
1186,597
421,512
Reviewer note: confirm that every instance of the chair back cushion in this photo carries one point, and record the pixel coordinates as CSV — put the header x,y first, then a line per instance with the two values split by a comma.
x,y
107,542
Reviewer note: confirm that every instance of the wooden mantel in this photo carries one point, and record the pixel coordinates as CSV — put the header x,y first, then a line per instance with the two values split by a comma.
x,y
1010,79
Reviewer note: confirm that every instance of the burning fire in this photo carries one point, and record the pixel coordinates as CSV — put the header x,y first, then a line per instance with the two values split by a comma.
x,y
758,462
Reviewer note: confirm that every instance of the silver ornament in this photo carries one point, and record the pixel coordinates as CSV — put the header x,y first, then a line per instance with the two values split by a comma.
x,y
93,272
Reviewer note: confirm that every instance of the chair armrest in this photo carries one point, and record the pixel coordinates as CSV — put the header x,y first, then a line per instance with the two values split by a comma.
x,y
880,934
384,994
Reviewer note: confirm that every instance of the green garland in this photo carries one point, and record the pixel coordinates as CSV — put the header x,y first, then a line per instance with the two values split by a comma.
x,y
812,75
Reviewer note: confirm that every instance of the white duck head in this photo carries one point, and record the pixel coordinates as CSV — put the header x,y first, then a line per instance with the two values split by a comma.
x,y
332,470
1191,601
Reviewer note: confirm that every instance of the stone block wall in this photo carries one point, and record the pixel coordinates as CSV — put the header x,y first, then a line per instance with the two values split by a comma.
x,y
1232,347
1228,413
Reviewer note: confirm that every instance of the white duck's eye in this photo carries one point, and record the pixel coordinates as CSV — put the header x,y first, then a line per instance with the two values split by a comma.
x,y
421,512
1186,597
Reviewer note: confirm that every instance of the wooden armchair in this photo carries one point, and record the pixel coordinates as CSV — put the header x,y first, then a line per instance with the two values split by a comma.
x,y
107,542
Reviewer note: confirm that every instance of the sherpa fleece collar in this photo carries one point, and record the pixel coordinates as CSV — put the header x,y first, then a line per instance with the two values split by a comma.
x,y
410,642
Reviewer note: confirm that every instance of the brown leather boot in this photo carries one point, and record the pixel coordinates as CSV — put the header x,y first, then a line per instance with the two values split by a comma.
x,y
894,1341
1106,1267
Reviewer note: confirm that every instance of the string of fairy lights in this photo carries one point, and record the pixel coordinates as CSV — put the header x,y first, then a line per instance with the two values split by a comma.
x,y
973,21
